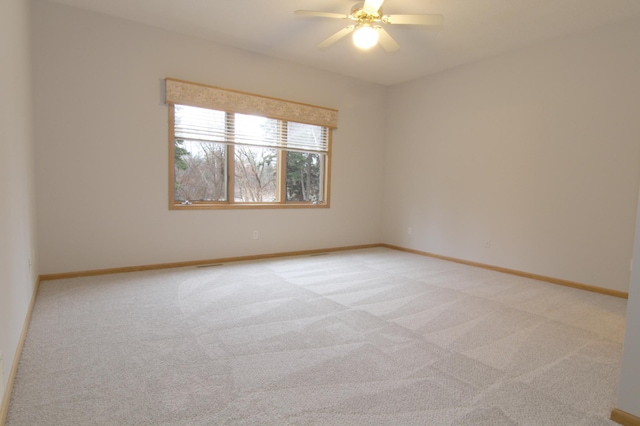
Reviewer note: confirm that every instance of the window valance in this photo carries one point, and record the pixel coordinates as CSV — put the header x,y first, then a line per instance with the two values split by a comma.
x,y
204,96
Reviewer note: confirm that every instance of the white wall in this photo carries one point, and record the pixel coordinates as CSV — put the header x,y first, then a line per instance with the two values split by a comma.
x,y
17,211
536,152
102,146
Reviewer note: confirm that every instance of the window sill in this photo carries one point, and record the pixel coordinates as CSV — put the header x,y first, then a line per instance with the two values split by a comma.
x,y
244,206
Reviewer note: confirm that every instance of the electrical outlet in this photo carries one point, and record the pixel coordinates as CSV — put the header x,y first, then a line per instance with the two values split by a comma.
x,y
487,244
256,235
409,231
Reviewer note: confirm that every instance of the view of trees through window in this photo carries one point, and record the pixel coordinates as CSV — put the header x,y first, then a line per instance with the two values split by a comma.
x,y
304,176
200,171
256,172
210,144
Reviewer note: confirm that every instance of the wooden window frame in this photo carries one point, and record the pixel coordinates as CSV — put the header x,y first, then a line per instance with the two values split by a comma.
x,y
230,203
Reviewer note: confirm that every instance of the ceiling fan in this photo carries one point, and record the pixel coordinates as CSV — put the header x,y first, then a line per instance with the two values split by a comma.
x,y
366,29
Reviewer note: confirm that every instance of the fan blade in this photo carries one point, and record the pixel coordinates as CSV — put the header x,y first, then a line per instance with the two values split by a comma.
x,y
427,20
386,41
372,6
337,36
321,14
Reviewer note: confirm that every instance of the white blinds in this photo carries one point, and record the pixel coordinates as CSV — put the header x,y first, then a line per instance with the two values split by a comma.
x,y
207,125
200,95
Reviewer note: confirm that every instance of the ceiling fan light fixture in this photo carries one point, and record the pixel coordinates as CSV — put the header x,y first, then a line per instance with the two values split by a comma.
x,y
365,37
366,16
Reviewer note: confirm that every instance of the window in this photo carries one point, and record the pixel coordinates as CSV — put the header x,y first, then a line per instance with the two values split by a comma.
x,y
224,158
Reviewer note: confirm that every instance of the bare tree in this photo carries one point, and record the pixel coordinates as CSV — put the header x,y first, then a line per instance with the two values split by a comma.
x,y
255,174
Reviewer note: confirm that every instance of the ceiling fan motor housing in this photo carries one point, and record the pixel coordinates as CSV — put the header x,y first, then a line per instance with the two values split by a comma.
x,y
362,16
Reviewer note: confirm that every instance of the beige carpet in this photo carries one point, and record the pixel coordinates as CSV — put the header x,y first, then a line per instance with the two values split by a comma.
x,y
364,337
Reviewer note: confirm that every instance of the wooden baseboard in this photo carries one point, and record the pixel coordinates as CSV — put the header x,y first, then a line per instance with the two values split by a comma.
x,y
551,280
4,409
566,283
88,273
624,418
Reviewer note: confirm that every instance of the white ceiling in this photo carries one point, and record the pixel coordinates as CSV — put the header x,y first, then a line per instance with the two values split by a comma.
x,y
473,29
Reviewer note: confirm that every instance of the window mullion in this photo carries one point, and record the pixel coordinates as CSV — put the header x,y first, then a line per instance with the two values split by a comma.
x,y
282,162
231,156
325,166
